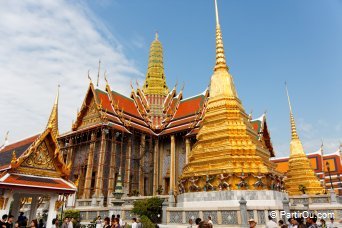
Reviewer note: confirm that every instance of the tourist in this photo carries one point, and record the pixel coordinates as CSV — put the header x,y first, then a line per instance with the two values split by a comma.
x,y
121,223
98,222
134,224
190,223
197,221
311,221
271,223
22,220
205,224
293,223
34,223
252,223
78,223
116,223
106,222
332,224
139,223
209,220
3,221
70,223
282,224
322,224
53,223
9,223
65,222
16,225
41,223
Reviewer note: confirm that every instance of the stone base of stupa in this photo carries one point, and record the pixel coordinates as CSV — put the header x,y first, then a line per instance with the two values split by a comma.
x,y
254,198
227,208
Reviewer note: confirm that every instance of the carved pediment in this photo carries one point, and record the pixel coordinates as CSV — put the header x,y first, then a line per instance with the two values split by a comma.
x,y
40,158
91,115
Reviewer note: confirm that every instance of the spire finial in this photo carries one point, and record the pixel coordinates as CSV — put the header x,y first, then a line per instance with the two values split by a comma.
x,y
220,56
157,35
53,119
105,77
293,123
98,73
89,77
216,13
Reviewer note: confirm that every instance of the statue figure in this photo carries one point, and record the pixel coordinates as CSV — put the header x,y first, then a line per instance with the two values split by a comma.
x,y
259,182
243,182
223,185
208,185
181,186
193,186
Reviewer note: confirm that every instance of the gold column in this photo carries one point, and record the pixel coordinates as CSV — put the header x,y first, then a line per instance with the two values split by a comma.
x,y
112,167
101,160
187,150
161,163
128,166
155,167
70,152
89,172
172,165
141,173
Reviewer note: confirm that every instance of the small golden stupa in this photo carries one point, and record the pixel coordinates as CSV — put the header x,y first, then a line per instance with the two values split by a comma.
x,y
227,154
300,176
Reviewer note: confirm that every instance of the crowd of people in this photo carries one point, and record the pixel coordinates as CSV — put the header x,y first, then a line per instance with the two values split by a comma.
x,y
310,222
199,223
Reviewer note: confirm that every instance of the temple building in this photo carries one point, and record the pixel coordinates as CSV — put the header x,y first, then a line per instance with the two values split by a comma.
x,y
33,170
147,137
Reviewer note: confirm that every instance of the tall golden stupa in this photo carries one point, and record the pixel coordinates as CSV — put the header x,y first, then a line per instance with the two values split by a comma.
x,y
227,154
300,172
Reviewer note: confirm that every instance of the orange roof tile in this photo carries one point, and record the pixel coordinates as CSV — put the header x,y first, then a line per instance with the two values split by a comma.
x,y
189,106
125,103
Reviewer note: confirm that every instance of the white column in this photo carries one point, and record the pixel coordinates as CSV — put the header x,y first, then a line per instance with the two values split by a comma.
x,y
15,205
33,208
52,212
8,197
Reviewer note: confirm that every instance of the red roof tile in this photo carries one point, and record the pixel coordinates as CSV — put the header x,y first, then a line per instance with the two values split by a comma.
x,y
36,182
125,103
104,100
189,107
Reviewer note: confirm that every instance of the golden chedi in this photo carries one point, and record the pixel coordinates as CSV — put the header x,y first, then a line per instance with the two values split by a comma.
x,y
227,154
300,172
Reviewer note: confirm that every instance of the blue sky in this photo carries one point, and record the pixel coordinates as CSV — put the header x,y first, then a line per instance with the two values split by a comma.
x,y
266,43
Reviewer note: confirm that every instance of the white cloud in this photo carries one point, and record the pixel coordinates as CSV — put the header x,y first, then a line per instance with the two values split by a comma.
x,y
46,43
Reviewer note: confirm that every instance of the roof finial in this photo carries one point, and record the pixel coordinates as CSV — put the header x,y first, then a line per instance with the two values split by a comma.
x,y
220,56
157,35
14,157
89,77
98,73
105,77
293,123
6,141
322,146
53,119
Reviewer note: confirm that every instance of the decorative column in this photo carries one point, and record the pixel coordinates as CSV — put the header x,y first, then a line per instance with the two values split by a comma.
x,y
52,210
187,150
172,165
112,167
101,161
8,198
89,172
15,205
128,166
155,167
243,212
70,152
141,171
34,207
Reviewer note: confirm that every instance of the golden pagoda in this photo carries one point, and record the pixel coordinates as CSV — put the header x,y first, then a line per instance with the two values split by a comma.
x,y
300,177
227,154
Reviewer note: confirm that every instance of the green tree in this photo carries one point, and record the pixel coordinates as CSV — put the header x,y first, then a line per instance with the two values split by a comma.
x,y
71,213
146,222
151,208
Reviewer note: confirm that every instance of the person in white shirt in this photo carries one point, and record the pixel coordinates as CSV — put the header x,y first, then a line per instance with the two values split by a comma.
x,y
293,223
209,220
70,224
271,223
332,224
134,224
120,221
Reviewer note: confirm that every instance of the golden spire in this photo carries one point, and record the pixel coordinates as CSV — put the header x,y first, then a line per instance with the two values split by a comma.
x,y
155,82
300,170
294,134
53,120
221,82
